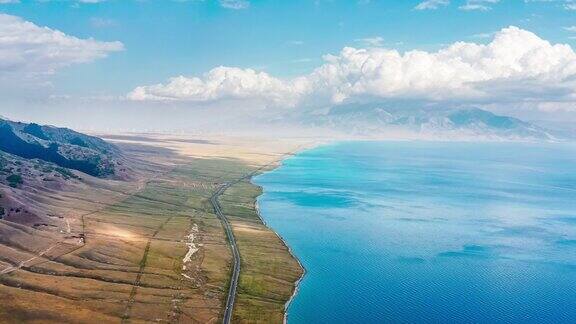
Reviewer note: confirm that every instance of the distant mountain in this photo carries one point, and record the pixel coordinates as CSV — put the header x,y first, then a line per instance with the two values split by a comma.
x,y
374,119
60,146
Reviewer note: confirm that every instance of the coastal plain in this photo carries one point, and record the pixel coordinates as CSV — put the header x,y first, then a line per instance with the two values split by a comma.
x,y
151,248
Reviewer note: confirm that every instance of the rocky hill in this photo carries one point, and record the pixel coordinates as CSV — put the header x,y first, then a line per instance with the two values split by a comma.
x,y
38,163
61,146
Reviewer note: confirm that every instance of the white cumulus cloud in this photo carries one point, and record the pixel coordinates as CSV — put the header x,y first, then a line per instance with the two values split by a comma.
x,y
431,4
516,63
31,51
219,83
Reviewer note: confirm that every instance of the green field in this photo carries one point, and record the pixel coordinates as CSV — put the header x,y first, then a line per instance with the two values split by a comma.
x,y
130,267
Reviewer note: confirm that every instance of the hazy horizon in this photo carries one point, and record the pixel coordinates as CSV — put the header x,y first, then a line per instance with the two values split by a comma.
x,y
123,65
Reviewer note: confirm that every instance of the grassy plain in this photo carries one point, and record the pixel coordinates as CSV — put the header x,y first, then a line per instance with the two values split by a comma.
x,y
121,259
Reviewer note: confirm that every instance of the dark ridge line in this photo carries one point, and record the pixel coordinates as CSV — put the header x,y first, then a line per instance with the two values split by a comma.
x,y
103,266
20,249
40,271
27,287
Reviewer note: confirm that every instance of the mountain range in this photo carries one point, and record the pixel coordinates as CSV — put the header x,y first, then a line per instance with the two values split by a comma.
x,y
381,119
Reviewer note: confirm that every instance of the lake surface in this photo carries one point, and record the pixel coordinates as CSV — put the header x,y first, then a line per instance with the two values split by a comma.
x,y
418,232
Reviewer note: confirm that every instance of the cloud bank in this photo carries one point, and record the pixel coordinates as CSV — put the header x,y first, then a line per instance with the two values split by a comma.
x,y
516,64
28,51
220,83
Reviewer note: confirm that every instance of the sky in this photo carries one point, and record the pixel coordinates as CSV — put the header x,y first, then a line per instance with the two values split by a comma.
x,y
112,64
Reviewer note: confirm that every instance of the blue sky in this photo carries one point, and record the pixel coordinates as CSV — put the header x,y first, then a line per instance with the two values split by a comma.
x,y
285,39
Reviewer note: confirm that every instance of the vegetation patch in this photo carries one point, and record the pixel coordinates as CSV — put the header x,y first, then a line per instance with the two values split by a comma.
x,y
14,180
66,174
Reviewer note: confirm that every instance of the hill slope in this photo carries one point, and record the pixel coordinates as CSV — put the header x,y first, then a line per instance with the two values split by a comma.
x,y
61,146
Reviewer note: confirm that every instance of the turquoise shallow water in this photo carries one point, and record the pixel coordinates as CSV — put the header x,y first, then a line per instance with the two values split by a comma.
x,y
414,232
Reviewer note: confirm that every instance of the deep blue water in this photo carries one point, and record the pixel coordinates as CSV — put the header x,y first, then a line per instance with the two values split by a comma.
x,y
412,232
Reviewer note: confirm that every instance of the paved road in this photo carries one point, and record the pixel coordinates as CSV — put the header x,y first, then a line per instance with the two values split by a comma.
x,y
230,234
235,254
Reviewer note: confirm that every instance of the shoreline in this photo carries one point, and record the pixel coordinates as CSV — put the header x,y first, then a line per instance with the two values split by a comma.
x,y
296,285
294,256
267,156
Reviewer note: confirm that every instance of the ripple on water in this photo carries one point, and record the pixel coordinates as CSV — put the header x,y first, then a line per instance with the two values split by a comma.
x,y
429,232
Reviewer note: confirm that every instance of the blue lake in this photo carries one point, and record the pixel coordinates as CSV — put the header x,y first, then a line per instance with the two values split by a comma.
x,y
412,232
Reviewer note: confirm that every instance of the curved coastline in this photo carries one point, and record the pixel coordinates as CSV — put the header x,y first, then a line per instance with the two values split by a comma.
x,y
297,282
290,251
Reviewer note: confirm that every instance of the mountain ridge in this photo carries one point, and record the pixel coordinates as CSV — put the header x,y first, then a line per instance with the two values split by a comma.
x,y
62,146
374,119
